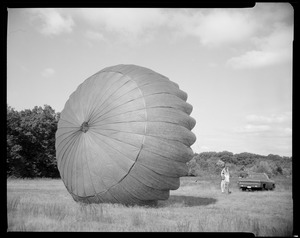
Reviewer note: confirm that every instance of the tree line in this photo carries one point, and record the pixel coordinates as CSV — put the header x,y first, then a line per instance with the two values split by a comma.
x,y
31,142
31,150
240,164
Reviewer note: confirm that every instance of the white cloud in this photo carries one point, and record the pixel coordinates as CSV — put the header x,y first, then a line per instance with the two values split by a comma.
x,y
273,126
123,19
212,65
129,24
51,21
92,35
288,131
213,27
204,148
230,27
48,72
24,68
222,27
257,59
249,128
275,118
269,50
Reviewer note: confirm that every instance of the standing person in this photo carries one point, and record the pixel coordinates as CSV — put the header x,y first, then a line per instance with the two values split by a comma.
x,y
225,179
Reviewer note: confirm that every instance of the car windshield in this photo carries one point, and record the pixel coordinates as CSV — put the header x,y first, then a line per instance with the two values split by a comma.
x,y
258,176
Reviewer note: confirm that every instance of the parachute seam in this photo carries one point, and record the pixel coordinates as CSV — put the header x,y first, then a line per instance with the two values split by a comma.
x,y
74,164
138,87
88,167
66,147
71,133
160,138
96,116
178,112
155,136
69,161
135,99
60,161
143,141
142,165
146,121
91,112
145,131
119,122
116,150
68,121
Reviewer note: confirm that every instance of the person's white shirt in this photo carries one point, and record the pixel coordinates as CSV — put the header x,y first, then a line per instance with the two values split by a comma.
x,y
226,177
225,173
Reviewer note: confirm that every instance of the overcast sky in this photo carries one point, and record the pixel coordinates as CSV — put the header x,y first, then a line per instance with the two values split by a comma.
x,y
234,64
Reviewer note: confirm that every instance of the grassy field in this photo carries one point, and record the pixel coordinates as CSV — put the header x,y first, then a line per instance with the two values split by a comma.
x,y
45,205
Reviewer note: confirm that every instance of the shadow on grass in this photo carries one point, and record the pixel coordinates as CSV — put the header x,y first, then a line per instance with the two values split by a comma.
x,y
187,201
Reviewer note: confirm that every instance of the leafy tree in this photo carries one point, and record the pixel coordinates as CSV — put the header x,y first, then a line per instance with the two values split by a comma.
x,y
194,168
14,159
279,170
241,163
31,142
264,167
227,157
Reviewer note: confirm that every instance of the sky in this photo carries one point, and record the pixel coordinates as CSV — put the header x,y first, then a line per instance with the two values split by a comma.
x,y
234,64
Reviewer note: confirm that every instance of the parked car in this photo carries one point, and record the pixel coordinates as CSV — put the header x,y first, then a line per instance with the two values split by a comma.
x,y
256,181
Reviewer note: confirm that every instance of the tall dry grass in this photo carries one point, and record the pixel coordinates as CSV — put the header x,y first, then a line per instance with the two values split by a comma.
x,y
45,205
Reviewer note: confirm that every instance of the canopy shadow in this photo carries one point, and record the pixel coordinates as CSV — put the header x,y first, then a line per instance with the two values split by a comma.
x,y
188,201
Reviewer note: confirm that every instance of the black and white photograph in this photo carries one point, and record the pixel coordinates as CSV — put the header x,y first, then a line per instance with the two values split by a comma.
x,y
150,119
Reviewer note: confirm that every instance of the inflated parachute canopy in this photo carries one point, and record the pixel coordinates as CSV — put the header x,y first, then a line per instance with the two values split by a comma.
x,y
124,136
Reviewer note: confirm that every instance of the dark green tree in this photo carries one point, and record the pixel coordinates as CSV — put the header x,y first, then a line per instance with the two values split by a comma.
x,y
31,142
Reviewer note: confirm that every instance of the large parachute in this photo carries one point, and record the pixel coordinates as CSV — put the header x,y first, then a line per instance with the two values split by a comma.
x,y
124,136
